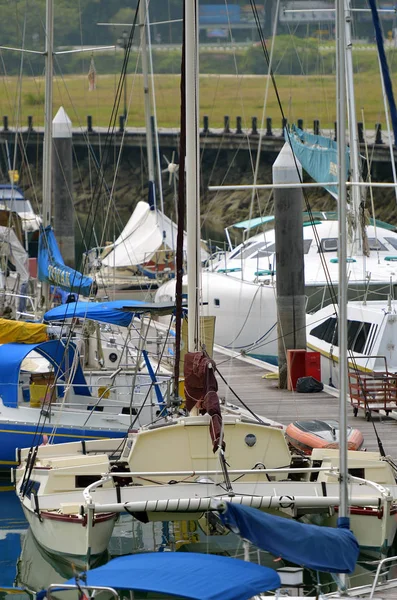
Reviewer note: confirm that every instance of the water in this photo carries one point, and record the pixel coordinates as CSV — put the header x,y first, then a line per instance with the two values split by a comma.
x,y
25,567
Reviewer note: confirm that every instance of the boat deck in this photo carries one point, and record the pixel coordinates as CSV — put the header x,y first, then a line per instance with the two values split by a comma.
x,y
245,377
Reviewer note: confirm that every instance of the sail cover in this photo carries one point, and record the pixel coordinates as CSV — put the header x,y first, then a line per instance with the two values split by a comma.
x,y
320,548
52,269
183,574
318,156
146,232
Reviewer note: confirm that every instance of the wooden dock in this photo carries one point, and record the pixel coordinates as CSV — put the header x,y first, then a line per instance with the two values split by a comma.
x,y
246,378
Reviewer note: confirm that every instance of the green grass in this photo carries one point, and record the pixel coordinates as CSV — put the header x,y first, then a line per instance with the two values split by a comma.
x,y
304,97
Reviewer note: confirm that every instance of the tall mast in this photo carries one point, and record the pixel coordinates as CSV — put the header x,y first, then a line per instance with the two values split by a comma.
x,y
146,96
47,142
192,171
342,250
353,131
47,153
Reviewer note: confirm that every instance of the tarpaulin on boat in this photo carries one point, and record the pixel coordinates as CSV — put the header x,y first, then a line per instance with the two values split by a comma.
x,y
52,269
318,156
186,575
332,550
22,332
55,351
117,312
147,232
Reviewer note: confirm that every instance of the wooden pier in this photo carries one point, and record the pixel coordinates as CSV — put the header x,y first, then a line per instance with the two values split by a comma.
x,y
246,377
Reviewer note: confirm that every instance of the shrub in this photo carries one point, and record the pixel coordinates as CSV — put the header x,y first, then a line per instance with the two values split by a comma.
x,y
36,99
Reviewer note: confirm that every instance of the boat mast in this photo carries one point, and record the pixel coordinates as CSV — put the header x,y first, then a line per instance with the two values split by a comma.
x,y
342,251
192,171
47,142
353,133
146,97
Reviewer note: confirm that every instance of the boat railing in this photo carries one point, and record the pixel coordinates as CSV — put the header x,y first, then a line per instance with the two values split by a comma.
x,y
105,395
82,589
381,581
382,493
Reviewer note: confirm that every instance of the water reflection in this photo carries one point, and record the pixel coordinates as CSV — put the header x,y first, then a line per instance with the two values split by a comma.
x,y
25,564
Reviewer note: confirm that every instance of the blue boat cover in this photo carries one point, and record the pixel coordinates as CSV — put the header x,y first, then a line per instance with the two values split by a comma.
x,y
55,351
52,269
318,156
332,550
188,575
117,312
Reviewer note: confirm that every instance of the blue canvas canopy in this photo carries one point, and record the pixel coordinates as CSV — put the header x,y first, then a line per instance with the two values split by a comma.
x,y
318,156
188,575
55,351
320,548
52,269
117,312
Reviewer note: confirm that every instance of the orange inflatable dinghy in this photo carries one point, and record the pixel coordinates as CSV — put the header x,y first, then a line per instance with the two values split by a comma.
x,y
306,435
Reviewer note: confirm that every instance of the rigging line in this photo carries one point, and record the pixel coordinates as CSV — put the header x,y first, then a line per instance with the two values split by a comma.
x,y
264,111
111,202
257,417
154,107
308,207
247,315
230,166
110,133
238,92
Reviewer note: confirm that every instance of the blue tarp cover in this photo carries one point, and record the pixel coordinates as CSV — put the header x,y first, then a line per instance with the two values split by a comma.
x,y
52,269
117,312
320,548
189,575
318,156
12,355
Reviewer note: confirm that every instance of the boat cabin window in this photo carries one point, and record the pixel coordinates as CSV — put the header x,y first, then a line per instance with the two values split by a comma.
x,y
357,333
327,331
375,244
392,241
265,251
245,250
329,245
83,481
271,249
357,473
18,205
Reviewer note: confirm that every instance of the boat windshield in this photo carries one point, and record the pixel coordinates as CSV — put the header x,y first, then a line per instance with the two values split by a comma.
x,y
12,199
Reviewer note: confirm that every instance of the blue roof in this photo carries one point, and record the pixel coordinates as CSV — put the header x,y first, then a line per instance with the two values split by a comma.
x,y
332,550
189,575
117,312
60,356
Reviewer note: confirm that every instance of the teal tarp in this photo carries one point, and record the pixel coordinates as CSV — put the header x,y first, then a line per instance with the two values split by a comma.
x,y
318,156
